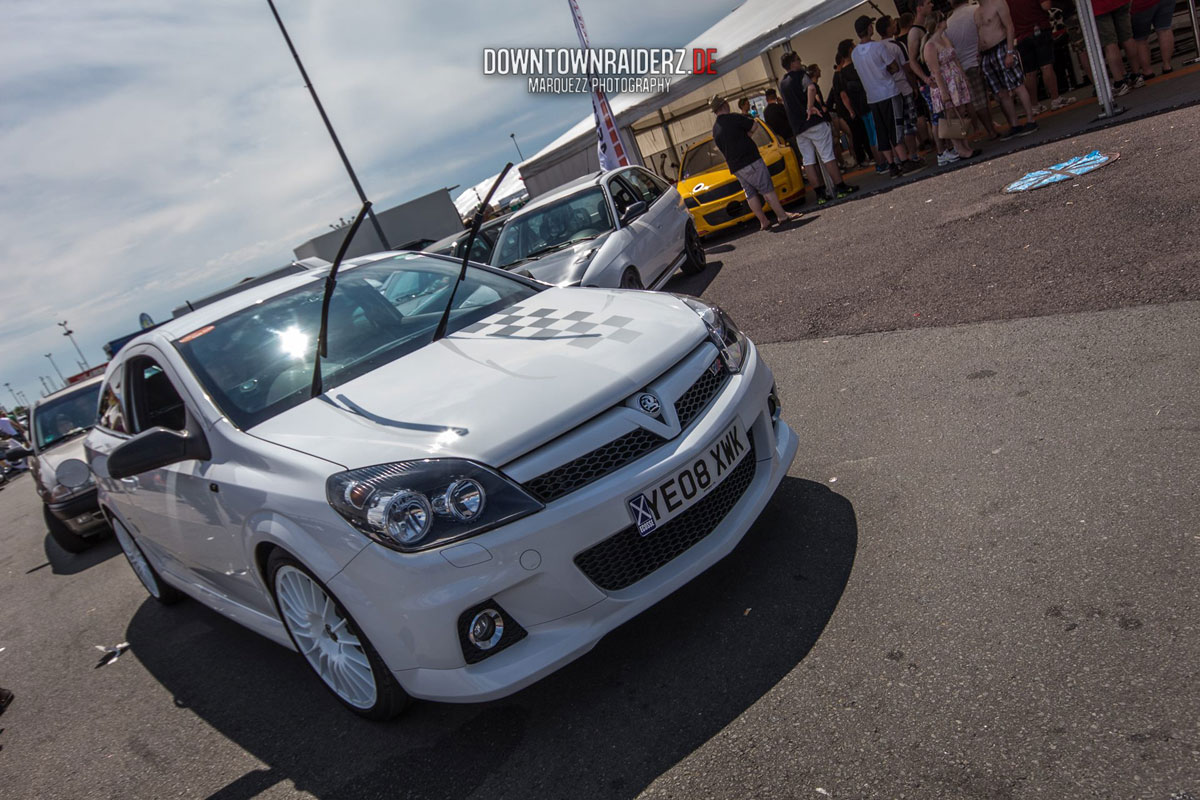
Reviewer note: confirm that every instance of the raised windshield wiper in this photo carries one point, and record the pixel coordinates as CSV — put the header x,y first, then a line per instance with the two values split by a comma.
x,y
330,283
440,331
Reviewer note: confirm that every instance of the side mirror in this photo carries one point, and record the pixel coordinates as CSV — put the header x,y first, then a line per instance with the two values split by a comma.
x,y
17,453
634,211
156,448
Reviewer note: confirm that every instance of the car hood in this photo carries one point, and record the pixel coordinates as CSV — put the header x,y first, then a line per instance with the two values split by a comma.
x,y
500,387
47,461
709,179
563,267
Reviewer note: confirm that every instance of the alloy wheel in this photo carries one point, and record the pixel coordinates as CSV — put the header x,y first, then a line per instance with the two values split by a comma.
x,y
324,637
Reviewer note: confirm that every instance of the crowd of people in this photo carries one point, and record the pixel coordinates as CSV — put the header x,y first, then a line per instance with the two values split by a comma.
x,y
926,79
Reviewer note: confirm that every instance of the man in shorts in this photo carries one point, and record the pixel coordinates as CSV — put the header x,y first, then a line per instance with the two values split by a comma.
x,y
1149,16
809,119
1116,33
848,89
886,27
1001,65
961,30
1035,46
876,64
731,134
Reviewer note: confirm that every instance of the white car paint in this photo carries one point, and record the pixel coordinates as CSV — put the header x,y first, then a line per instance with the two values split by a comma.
x,y
520,402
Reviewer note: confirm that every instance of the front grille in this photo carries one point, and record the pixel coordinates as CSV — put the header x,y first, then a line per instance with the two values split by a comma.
x,y
625,558
777,167
611,457
719,192
701,393
594,465
734,211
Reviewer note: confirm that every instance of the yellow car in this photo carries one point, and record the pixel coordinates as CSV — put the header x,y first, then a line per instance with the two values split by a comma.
x,y
712,193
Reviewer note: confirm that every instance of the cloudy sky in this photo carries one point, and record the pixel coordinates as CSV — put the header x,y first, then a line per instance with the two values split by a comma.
x,y
151,152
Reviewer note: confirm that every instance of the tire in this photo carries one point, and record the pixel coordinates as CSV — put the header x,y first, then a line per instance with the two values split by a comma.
x,y
155,586
63,536
298,596
630,279
696,260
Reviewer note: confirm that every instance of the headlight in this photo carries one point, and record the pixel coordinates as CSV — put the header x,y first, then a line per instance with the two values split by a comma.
x,y
722,330
415,505
58,492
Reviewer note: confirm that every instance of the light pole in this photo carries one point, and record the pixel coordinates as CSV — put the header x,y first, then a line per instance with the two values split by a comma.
x,y
513,136
56,369
67,333
329,127
14,394
45,386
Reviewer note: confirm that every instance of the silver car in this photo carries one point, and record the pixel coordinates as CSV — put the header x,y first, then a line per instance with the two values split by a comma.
x,y
626,228
58,424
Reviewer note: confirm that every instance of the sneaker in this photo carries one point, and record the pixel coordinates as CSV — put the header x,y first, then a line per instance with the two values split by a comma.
x,y
822,199
882,169
951,156
1027,128
1120,88
942,160
1062,102
894,171
1040,108
1137,81
845,190
1010,133
913,166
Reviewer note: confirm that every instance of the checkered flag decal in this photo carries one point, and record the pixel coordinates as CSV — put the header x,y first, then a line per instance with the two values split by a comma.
x,y
579,328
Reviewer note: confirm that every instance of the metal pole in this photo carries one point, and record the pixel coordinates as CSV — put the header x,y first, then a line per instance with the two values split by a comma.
x,y
67,333
1195,33
329,126
14,394
1100,81
513,136
56,369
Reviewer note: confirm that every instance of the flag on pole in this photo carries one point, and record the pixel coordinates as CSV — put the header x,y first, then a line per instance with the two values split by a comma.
x,y
609,147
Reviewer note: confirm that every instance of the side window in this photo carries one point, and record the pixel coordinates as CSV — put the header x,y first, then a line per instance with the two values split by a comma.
x,y
111,415
153,400
623,197
641,183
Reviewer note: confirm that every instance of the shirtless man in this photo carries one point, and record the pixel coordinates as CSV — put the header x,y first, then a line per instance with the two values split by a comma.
x,y
1001,65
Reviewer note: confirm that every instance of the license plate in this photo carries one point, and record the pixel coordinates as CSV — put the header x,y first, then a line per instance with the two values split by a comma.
x,y
691,483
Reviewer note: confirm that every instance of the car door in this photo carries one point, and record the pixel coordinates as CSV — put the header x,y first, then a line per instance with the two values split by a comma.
x,y
186,503
643,244
666,214
110,432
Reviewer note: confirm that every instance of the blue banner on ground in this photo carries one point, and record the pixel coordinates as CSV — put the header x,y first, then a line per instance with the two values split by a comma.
x,y
1067,170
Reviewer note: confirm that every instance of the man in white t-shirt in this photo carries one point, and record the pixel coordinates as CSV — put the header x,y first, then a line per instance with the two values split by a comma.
x,y
876,65
885,26
964,35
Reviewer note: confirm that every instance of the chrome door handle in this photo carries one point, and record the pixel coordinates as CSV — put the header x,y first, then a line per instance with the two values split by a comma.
x,y
130,483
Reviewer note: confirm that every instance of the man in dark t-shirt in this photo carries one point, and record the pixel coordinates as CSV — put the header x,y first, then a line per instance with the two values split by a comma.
x,y
814,135
776,118
731,134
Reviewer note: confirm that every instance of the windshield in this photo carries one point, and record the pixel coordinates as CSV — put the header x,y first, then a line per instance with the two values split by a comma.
x,y
258,362
553,227
65,417
705,156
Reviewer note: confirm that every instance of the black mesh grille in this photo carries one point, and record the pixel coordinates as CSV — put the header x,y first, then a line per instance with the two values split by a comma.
x,y
513,633
625,558
595,465
701,393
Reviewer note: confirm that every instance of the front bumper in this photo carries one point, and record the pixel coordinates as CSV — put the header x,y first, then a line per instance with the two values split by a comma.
x,y
80,514
409,604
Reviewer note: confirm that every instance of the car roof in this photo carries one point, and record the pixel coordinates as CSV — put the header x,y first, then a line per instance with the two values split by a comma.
x,y
566,190
68,389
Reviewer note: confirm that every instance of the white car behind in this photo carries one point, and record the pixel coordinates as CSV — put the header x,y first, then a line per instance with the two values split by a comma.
x,y
626,228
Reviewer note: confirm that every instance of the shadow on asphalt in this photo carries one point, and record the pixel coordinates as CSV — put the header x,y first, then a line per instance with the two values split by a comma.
x,y
694,284
63,563
605,726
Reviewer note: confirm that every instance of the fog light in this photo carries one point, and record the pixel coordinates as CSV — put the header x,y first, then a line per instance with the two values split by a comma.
x,y
774,407
486,629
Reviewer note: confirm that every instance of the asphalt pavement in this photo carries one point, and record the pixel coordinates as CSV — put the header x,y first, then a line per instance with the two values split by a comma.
x,y
980,580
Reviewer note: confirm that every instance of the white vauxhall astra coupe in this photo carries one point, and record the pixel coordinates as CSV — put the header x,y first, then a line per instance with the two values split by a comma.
x,y
446,518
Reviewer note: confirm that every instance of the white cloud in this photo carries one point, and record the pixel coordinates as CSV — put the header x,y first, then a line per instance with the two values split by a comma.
x,y
151,152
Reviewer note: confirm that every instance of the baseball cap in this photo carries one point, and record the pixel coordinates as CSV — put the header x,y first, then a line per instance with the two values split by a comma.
x,y
863,24
717,102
